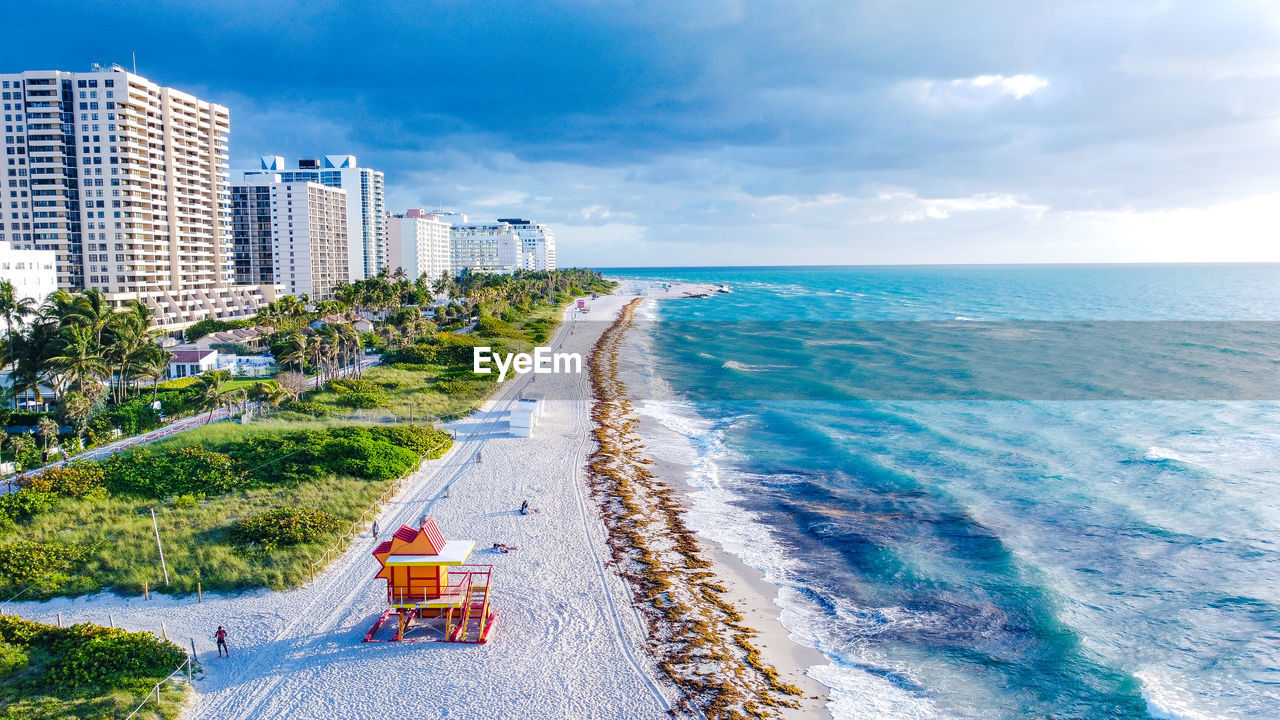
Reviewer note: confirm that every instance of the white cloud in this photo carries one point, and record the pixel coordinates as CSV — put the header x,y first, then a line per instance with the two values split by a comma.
x,y
1018,86
976,92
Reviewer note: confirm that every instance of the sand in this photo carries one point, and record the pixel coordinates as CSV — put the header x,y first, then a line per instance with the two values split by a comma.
x,y
566,643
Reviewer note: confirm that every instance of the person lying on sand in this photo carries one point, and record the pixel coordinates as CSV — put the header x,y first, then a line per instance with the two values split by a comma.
x,y
504,548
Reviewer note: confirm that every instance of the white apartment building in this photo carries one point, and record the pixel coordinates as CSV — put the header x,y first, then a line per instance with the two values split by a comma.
x,y
505,246
485,248
366,204
31,272
126,182
308,231
420,243
538,243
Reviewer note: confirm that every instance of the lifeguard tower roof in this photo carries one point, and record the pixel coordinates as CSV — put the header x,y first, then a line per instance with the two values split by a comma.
x,y
423,546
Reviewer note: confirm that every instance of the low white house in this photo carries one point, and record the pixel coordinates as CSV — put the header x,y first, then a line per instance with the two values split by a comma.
x,y
189,360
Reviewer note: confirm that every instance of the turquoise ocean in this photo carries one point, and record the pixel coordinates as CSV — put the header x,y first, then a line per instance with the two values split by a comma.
x,y
991,492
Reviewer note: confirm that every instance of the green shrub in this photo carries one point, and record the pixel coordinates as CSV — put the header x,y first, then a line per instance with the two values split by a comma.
x,y
411,355
160,474
350,385
179,383
210,325
12,659
490,325
311,409
77,480
96,657
22,505
412,367
25,561
283,527
365,457
416,438
363,400
183,502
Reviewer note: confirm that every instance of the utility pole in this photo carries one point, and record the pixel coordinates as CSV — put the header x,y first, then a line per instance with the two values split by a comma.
x,y
159,547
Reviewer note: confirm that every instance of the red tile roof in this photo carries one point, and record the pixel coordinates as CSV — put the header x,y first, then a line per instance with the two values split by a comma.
x,y
406,533
383,547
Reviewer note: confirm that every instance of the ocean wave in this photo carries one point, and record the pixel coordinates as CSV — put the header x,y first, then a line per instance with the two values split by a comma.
x,y
1159,454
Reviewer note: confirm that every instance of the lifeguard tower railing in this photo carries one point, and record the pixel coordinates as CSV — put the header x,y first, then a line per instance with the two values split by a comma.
x,y
463,579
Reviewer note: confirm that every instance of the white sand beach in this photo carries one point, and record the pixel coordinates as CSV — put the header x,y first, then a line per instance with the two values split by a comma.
x,y
566,643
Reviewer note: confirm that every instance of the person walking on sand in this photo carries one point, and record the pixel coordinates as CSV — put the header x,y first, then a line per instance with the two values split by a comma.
x,y
375,529
221,635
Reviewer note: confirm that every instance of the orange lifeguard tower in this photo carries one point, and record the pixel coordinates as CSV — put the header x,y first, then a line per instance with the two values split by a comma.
x,y
428,579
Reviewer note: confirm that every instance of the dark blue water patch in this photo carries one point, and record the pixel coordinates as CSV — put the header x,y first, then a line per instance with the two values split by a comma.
x,y
980,612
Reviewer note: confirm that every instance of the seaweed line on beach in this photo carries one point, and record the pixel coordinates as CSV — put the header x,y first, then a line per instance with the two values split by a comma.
x,y
696,636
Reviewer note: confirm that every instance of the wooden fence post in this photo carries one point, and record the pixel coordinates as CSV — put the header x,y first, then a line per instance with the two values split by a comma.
x,y
199,594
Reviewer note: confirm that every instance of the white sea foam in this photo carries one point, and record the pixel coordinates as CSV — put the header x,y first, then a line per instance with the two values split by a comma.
x,y
1166,703
1159,454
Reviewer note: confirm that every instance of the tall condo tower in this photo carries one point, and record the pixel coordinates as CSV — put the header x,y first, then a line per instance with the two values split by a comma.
x,y
294,233
366,205
127,182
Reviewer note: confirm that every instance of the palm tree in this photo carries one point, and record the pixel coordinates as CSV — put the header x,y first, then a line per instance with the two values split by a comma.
x,y
79,360
295,352
215,388
127,332
350,339
93,310
153,365
14,310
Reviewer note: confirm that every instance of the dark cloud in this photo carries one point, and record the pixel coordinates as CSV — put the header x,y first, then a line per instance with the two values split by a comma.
x,y
677,120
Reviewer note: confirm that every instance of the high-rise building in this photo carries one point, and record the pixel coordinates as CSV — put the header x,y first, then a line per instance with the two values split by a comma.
x,y
539,243
419,242
303,226
251,235
126,182
366,206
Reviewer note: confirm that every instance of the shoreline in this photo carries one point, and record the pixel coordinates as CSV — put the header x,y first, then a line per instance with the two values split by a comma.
x,y
712,620
748,588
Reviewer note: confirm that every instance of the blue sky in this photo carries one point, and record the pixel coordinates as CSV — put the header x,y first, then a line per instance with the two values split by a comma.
x,y
721,132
